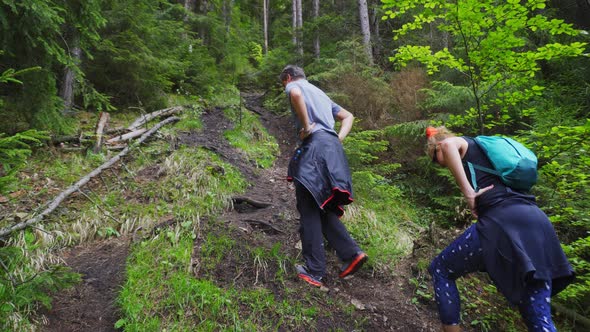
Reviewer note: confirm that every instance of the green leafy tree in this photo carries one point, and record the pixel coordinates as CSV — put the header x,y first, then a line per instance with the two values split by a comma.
x,y
15,149
493,50
32,35
563,152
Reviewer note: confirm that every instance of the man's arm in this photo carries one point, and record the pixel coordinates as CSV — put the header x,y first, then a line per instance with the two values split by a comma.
x,y
346,118
298,103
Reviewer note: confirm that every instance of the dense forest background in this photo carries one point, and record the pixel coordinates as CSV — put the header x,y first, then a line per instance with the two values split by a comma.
x,y
519,68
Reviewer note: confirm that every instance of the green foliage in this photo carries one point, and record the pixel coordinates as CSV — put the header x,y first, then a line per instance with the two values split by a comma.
x,y
250,136
355,86
363,147
14,151
136,57
190,119
563,153
23,288
33,103
380,219
169,296
204,176
214,249
271,66
255,52
445,98
494,51
484,308
33,35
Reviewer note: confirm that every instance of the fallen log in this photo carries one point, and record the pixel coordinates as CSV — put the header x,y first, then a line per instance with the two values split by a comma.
x,y
147,117
81,138
127,136
115,131
75,187
102,122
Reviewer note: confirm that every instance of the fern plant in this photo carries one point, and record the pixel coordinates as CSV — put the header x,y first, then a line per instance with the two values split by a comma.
x,y
23,288
14,151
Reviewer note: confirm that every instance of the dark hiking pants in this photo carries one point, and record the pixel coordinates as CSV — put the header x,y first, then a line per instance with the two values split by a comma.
x,y
315,224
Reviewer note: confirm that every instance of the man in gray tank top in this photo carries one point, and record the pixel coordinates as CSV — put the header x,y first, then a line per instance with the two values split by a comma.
x,y
322,178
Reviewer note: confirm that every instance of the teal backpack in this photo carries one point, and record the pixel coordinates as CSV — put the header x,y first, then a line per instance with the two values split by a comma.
x,y
513,163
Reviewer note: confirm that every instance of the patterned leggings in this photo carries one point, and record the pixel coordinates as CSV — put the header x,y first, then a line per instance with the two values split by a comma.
x,y
463,256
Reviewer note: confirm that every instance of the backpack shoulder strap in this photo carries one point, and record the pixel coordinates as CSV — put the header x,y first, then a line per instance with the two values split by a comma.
x,y
473,179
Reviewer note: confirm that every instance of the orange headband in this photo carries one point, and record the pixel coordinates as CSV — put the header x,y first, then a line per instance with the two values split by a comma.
x,y
431,131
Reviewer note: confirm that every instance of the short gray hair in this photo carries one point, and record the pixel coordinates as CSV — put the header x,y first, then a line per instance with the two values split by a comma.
x,y
293,71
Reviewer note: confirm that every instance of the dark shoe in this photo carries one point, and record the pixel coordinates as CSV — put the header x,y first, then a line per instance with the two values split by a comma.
x,y
353,265
303,274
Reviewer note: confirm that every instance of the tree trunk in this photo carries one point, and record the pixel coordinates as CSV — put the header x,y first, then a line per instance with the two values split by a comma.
x,y
69,78
365,29
128,136
227,8
265,24
102,123
316,37
294,21
299,28
376,19
203,9
190,5
140,121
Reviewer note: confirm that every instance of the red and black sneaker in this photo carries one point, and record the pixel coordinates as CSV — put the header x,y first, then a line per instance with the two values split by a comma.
x,y
353,265
303,274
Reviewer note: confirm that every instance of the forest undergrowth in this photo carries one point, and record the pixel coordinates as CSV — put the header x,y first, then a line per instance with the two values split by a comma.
x,y
196,261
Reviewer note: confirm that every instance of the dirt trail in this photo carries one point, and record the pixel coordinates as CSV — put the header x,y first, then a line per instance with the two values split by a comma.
x,y
90,305
383,303
386,301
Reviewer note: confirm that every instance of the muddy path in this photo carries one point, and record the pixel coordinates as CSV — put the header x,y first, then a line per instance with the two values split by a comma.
x,y
383,303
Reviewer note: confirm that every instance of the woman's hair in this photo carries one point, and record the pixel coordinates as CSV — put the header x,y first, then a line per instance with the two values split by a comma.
x,y
435,135
293,71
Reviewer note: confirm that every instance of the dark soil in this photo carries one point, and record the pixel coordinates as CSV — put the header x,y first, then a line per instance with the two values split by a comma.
x,y
383,303
90,306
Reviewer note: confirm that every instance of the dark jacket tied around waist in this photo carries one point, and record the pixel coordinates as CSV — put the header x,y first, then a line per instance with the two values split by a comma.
x,y
320,165
518,240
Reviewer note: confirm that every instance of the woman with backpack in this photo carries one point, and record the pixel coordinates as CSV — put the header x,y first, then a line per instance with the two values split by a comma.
x,y
513,240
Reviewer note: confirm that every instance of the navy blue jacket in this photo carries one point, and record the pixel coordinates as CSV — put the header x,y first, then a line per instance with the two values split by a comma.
x,y
320,165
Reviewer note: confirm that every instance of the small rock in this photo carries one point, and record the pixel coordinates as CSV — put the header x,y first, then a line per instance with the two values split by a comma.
x,y
357,304
371,307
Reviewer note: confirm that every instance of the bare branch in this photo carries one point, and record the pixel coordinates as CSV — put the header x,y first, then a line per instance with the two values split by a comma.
x,y
62,196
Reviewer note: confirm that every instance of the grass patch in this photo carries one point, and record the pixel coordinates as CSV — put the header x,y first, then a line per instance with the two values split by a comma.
x,y
381,220
190,119
162,293
250,136
27,279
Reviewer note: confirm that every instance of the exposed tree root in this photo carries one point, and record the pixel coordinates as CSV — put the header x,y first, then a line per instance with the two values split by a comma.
x,y
254,203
